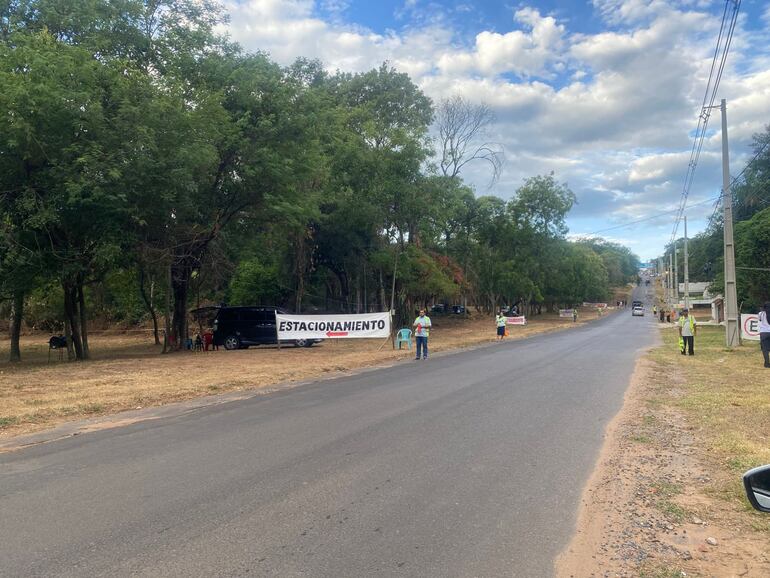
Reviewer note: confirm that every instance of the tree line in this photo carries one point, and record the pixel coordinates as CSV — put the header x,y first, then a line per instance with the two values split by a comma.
x,y
148,165
751,216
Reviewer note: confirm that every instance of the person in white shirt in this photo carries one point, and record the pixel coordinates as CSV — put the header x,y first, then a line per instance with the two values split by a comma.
x,y
422,327
764,332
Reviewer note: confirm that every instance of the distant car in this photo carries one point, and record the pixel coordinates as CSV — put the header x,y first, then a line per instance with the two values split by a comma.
x,y
440,308
458,309
241,327
636,303
637,311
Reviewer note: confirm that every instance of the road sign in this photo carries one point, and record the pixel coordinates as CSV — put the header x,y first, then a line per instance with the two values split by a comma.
x,y
750,326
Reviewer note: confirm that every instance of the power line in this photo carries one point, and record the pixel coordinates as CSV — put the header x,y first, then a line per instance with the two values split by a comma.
x,y
651,217
737,177
724,40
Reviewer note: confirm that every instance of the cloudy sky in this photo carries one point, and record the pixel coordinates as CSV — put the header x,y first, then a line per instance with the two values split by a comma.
x,y
605,93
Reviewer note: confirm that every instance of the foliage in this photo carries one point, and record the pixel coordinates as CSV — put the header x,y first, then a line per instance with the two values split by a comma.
x,y
752,219
145,161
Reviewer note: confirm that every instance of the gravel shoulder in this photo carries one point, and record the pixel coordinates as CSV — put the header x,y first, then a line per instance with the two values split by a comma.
x,y
665,497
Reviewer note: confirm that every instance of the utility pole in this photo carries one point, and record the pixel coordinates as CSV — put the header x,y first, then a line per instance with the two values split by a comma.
x,y
686,269
731,293
670,280
676,275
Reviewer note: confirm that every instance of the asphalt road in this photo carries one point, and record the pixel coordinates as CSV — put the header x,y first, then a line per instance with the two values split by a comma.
x,y
469,464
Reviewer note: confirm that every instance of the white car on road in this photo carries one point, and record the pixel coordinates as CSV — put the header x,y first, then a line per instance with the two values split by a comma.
x,y
637,311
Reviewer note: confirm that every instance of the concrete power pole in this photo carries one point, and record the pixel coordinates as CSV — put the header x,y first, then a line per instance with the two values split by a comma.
x,y
731,293
676,276
686,269
670,280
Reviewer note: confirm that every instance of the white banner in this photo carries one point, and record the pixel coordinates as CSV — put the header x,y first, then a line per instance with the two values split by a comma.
x,y
595,305
565,312
521,320
750,326
362,325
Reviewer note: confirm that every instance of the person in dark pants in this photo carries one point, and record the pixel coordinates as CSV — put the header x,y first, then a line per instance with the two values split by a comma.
x,y
421,332
501,322
687,330
764,332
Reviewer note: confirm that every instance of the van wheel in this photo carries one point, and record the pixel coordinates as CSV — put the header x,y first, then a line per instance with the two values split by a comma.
x,y
232,342
301,343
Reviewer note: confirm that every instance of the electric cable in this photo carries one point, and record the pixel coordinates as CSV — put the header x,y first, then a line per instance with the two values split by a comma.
x,y
724,41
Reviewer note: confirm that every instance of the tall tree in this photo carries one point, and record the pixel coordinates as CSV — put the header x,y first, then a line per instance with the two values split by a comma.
x,y
462,137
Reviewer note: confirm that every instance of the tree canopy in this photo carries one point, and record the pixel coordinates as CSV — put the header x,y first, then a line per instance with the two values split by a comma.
x,y
149,166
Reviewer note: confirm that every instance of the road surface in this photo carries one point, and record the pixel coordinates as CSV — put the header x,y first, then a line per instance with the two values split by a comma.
x,y
470,464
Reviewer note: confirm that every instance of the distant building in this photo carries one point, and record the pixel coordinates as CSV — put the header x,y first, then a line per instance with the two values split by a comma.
x,y
701,298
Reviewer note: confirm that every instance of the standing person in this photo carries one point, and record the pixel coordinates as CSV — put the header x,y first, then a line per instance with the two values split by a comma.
x,y
501,323
422,330
764,332
668,315
574,315
208,339
687,330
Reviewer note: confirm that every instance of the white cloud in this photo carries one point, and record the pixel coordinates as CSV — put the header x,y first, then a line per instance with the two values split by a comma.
x,y
526,52
611,112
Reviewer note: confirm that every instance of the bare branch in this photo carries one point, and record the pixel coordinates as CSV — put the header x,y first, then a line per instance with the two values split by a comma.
x,y
461,125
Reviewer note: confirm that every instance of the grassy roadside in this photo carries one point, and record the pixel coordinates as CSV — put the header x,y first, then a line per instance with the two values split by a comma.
x,y
725,395
128,372
711,414
665,499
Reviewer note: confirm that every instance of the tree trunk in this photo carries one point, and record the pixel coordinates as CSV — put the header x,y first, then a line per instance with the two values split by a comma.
x,y
68,338
180,282
71,314
148,303
358,292
383,297
167,335
300,267
300,293
17,315
83,318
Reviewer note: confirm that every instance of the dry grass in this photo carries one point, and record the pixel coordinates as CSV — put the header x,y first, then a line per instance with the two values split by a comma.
x,y
726,395
127,371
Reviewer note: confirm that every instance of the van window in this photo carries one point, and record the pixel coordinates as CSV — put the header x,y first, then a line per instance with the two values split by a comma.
x,y
227,315
251,315
268,315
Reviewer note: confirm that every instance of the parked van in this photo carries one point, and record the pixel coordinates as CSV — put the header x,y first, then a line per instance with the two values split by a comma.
x,y
240,327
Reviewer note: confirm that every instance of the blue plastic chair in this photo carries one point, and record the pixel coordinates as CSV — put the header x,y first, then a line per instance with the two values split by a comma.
x,y
404,336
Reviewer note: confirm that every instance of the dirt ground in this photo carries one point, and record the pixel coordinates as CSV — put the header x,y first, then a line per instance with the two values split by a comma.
x,y
666,499
128,372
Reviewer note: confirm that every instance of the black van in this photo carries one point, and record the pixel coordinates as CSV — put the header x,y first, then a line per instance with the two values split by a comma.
x,y
240,327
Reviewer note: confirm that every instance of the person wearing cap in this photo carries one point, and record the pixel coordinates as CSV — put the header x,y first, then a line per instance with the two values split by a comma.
x,y
687,330
764,332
